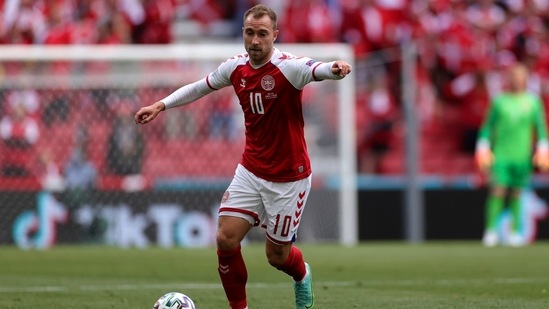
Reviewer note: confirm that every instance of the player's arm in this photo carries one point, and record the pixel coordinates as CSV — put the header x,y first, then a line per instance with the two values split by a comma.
x,y
332,70
303,70
541,154
191,92
182,96
483,153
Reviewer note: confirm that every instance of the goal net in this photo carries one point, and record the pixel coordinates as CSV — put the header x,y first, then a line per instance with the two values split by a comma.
x,y
76,169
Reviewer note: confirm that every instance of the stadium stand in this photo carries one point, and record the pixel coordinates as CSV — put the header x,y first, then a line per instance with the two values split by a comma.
x,y
463,47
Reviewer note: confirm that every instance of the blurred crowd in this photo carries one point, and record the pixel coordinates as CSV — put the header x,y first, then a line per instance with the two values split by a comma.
x,y
86,22
463,46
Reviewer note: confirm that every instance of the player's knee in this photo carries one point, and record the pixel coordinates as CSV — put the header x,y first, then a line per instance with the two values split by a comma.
x,y
498,191
276,256
275,260
225,241
230,232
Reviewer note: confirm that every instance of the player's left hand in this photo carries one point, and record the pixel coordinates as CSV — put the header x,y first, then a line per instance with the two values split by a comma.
x,y
484,158
541,159
341,68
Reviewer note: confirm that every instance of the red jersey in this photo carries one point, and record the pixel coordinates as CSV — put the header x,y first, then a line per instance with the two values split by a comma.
x,y
270,97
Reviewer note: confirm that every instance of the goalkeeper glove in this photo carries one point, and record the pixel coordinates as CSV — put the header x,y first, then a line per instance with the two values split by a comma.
x,y
541,159
484,158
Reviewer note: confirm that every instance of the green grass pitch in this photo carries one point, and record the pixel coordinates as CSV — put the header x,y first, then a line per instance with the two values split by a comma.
x,y
371,275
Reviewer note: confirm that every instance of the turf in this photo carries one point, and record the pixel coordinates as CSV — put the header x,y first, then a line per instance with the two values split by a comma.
x,y
372,275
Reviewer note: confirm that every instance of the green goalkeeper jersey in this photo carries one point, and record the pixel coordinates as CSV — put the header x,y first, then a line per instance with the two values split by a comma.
x,y
513,121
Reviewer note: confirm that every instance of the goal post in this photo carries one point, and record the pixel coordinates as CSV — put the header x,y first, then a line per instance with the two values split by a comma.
x,y
160,69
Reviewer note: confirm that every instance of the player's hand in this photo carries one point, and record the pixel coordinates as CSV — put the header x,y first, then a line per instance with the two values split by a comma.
x,y
148,113
541,159
341,68
484,158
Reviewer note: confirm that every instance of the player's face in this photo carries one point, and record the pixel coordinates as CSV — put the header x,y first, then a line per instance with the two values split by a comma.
x,y
518,76
259,37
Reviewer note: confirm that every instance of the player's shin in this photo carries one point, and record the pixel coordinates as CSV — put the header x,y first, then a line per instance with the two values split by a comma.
x,y
514,205
294,265
493,210
234,275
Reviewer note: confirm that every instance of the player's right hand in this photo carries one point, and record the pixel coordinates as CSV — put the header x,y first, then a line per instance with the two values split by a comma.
x,y
484,158
148,113
541,159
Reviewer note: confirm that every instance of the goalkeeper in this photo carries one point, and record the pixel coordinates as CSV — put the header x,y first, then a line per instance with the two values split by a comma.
x,y
514,121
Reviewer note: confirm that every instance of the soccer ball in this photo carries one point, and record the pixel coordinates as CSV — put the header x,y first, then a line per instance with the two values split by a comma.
x,y
174,300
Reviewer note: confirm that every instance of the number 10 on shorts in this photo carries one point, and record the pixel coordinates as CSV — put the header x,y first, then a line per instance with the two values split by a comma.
x,y
285,228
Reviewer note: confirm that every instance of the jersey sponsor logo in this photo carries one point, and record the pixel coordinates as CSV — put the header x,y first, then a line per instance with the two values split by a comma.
x,y
267,82
310,62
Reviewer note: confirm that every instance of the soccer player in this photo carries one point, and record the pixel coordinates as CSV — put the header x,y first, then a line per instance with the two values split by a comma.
x,y
515,120
273,180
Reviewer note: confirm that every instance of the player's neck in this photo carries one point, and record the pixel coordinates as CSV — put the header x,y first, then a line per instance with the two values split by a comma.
x,y
264,61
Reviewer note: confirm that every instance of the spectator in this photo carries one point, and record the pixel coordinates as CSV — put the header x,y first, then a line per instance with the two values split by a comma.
x,y
57,109
80,173
486,15
48,172
24,22
469,91
125,144
114,30
156,28
377,134
309,21
221,116
19,133
58,26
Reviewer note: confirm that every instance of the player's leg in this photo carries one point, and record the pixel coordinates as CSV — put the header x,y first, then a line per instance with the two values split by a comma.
x,y
284,204
494,207
522,174
239,211
500,180
289,259
231,267
515,239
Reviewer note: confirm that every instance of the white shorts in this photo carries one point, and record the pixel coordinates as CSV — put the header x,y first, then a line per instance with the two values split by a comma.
x,y
276,206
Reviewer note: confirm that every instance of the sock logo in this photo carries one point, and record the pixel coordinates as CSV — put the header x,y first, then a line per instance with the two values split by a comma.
x,y
223,269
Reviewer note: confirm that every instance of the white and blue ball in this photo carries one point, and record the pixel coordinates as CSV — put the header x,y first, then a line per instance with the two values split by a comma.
x,y
174,300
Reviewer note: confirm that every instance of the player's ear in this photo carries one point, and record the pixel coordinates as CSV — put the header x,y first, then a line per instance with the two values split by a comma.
x,y
275,34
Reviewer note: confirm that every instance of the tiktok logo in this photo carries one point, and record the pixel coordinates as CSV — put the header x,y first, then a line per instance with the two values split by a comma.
x,y
37,229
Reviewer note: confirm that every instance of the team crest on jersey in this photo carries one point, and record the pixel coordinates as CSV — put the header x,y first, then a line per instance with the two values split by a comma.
x,y
268,82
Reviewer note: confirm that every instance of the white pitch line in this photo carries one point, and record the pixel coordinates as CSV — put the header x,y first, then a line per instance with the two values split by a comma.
x,y
184,286
264,285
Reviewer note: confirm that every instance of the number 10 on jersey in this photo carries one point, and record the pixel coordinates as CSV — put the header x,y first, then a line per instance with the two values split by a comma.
x,y
256,103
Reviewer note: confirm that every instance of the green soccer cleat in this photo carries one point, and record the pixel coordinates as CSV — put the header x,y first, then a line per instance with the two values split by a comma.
x,y
304,296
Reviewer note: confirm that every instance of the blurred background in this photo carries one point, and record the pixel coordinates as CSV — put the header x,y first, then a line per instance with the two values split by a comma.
x,y
75,168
